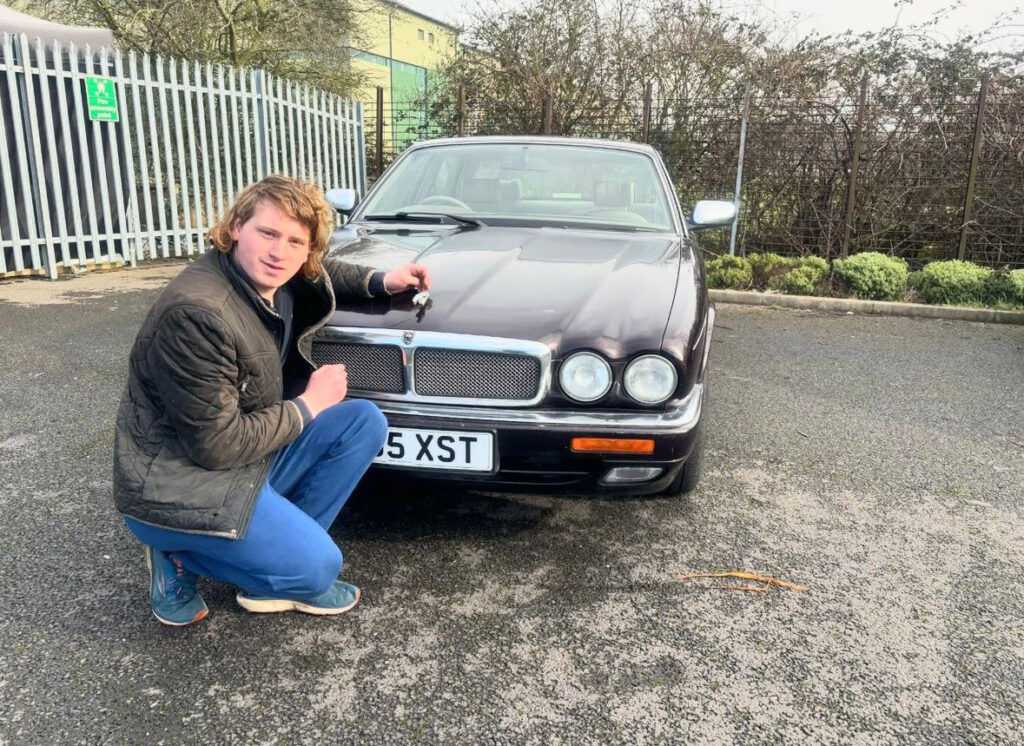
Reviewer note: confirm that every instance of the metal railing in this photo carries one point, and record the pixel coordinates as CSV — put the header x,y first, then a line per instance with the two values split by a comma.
x,y
934,175
180,139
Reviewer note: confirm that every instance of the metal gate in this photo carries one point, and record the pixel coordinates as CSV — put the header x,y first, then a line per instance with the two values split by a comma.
x,y
146,177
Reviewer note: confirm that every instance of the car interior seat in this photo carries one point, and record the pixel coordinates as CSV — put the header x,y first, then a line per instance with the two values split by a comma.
x,y
480,194
614,200
510,190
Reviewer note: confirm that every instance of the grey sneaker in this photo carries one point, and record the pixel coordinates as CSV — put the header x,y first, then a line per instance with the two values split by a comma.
x,y
172,590
337,599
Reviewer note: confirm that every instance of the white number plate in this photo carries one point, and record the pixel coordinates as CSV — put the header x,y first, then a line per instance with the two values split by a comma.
x,y
437,449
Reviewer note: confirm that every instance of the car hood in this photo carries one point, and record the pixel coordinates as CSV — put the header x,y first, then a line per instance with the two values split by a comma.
x,y
606,290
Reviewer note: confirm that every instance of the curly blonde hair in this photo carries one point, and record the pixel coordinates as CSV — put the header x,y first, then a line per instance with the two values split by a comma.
x,y
297,199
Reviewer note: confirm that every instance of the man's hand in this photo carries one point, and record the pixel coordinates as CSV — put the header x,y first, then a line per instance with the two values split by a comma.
x,y
327,386
407,277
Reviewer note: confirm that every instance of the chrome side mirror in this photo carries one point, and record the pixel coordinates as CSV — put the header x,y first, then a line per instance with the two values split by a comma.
x,y
342,200
712,213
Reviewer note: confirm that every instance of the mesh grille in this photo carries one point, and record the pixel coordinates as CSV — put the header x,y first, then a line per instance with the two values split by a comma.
x,y
475,375
370,367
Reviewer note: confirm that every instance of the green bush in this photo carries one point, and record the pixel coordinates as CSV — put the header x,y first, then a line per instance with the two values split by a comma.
x,y
729,272
953,283
1017,278
802,280
768,269
806,276
872,276
914,280
1004,288
816,263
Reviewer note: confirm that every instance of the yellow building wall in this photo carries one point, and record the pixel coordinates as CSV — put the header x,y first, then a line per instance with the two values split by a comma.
x,y
391,31
386,43
408,47
373,75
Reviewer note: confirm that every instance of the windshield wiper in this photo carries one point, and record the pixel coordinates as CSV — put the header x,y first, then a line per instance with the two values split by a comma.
x,y
422,216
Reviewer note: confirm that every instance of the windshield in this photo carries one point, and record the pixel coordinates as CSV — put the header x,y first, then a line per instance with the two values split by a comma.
x,y
536,182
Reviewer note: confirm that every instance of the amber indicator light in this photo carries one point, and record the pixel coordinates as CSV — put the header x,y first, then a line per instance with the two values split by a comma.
x,y
612,445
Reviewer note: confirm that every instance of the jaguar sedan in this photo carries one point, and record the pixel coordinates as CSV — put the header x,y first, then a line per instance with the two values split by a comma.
x,y
564,342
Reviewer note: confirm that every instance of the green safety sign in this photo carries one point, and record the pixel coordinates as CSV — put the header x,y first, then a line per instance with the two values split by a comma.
x,y
102,97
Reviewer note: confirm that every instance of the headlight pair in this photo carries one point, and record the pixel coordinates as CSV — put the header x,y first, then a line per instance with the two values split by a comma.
x,y
586,377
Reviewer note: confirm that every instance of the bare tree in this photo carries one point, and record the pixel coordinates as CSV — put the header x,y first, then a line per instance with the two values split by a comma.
x,y
299,39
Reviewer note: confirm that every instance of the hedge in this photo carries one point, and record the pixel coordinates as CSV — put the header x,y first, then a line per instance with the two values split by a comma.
x,y
872,276
729,272
768,269
801,281
953,283
1004,289
806,277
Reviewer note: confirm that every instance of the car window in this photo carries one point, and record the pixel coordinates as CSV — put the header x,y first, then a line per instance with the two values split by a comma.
x,y
540,182
403,190
440,178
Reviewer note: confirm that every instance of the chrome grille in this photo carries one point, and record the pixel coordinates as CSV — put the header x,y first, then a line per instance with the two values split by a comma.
x,y
370,367
469,374
438,367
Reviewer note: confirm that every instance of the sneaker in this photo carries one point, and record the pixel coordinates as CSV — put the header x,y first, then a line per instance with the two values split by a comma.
x,y
172,590
337,599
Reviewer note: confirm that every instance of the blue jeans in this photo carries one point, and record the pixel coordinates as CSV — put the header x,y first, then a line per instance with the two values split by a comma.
x,y
286,551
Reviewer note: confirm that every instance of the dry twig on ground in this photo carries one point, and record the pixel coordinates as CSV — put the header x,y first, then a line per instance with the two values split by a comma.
x,y
744,576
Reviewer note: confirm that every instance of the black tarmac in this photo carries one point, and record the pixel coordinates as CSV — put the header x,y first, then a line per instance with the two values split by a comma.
x,y
877,461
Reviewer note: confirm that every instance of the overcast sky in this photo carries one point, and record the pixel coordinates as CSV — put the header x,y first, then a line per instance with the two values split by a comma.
x,y
805,16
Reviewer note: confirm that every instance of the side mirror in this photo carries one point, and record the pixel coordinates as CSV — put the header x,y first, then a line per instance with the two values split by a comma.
x,y
712,213
342,200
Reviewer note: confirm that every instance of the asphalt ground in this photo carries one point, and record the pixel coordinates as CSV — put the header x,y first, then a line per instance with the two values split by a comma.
x,y
877,461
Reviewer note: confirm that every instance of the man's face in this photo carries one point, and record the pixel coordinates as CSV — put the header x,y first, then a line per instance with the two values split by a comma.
x,y
270,247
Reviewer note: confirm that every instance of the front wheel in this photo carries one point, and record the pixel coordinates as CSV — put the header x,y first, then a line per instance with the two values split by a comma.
x,y
689,476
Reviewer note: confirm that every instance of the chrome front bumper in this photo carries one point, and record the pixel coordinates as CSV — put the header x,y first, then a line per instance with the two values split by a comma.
x,y
677,421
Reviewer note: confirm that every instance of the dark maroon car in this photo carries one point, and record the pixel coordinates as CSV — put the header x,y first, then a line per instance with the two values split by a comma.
x,y
564,341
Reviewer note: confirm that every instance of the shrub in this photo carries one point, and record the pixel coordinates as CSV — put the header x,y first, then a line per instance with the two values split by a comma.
x,y
872,276
805,277
914,280
1004,288
728,272
953,282
1017,277
767,269
802,280
815,262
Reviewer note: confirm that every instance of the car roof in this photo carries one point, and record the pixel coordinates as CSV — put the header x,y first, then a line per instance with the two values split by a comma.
x,y
538,140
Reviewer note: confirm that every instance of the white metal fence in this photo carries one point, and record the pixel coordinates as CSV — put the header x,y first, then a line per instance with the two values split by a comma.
x,y
77,192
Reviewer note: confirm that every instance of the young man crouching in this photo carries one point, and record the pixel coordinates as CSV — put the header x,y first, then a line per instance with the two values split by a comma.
x,y
232,454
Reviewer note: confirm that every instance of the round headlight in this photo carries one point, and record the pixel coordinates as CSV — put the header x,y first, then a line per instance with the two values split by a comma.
x,y
650,379
585,376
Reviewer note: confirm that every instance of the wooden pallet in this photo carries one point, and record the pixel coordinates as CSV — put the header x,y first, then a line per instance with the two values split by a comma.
x,y
22,273
71,271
